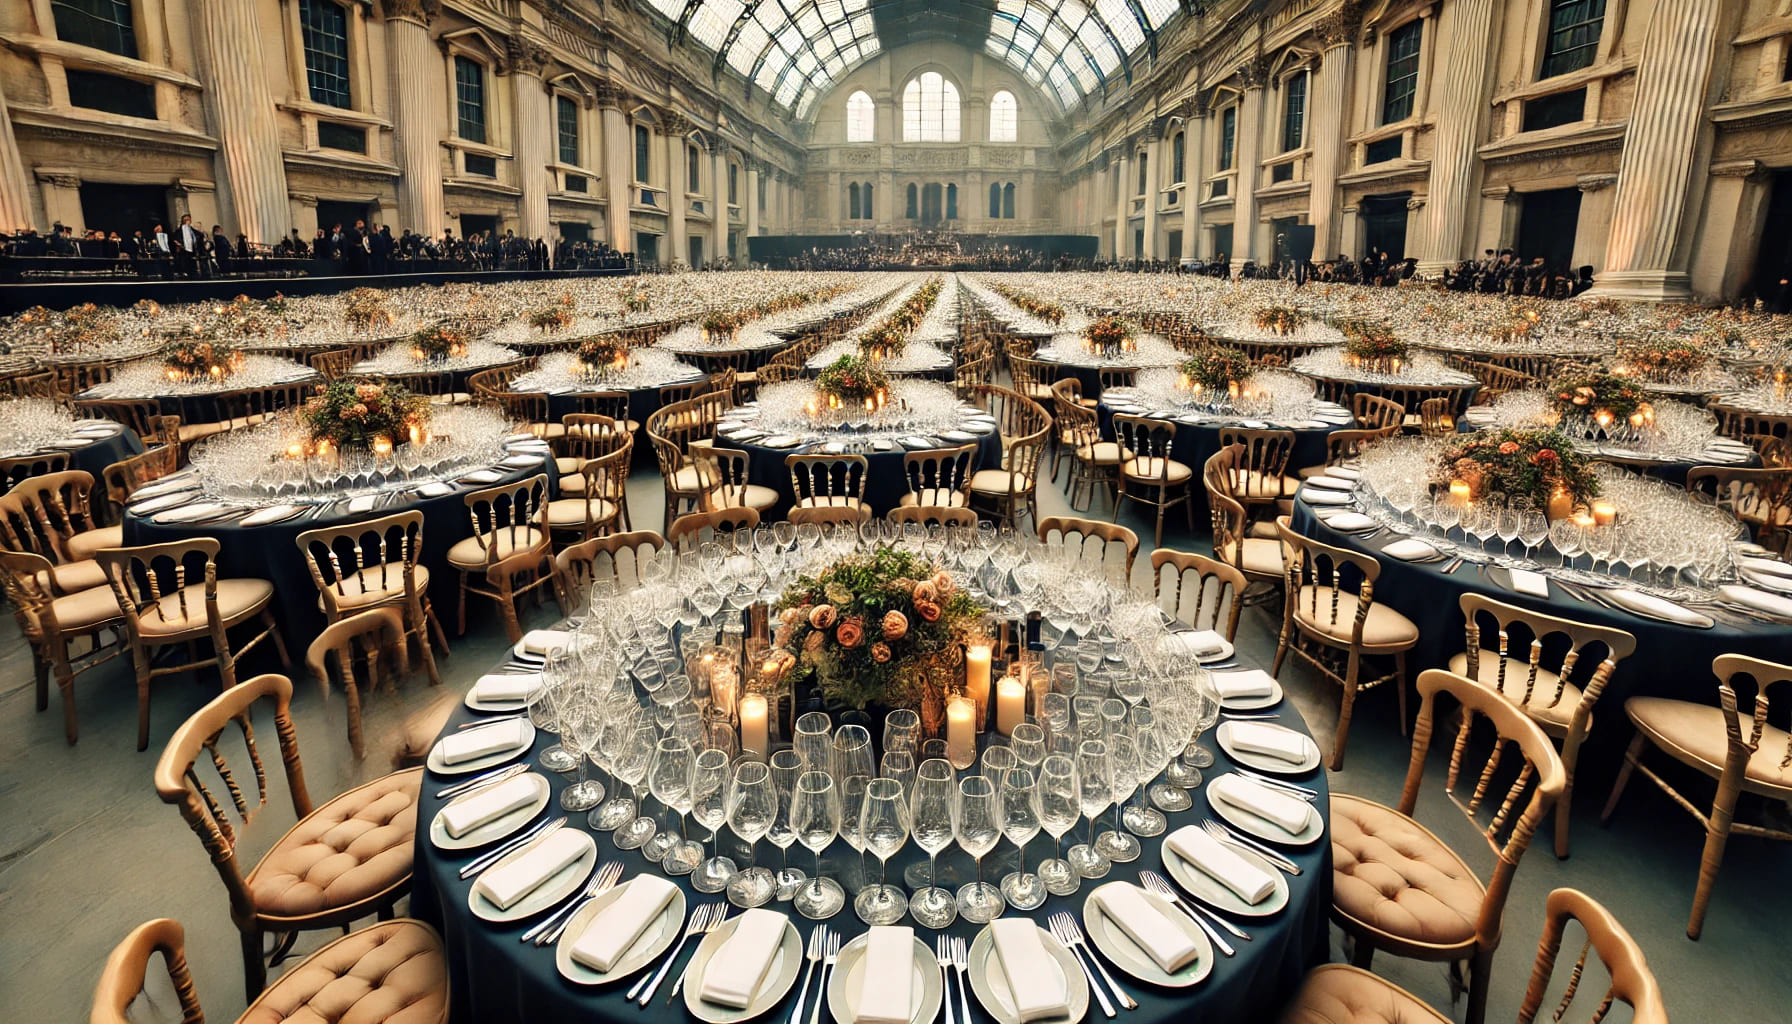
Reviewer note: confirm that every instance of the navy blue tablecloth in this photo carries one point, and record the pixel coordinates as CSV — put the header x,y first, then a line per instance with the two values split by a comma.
x,y
885,483
95,457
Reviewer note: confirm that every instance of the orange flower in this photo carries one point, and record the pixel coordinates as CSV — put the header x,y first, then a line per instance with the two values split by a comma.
x,y
1508,447
850,633
880,652
942,582
895,625
925,592
928,611
822,616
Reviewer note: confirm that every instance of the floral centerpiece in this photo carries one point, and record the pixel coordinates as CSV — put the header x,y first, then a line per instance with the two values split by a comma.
x,y
636,299
1541,465
860,629
1050,312
438,343
851,382
1280,320
1593,402
1108,336
722,323
362,414
603,354
200,355
365,309
551,318
883,341
1215,370
1372,346
1662,358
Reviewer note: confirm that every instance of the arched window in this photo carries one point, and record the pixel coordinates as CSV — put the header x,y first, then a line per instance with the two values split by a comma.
x,y
951,202
865,202
1178,159
861,117
852,201
1008,201
1004,117
1144,174
914,203
995,199
734,184
930,109
693,169
643,152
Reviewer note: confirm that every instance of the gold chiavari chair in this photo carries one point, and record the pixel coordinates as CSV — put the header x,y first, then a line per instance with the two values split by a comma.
x,y
619,557
1091,542
528,410
611,404
124,477
1260,478
1343,445
509,554
690,531
20,468
1320,614
727,471
1561,707
971,374
673,393
1373,412
1742,750
930,515
1201,592
1165,482
777,372
492,384
1011,490
939,476
376,563
828,481
337,864
1761,498
31,385
591,436
1397,887
675,432
831,515
171,598
1030,376
376,631
587,513
1498,380
397,963
333,364
1258,559
1435,419
53,510
74,378
66,631
1745,423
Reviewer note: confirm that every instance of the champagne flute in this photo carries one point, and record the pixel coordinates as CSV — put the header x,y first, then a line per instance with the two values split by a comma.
x,y
933,817
752,807
709,805
814,742
786,768
669,780
883,828
815,818
1095,791
581,721
544,714
1140,818
979,829
1117,844
1021,821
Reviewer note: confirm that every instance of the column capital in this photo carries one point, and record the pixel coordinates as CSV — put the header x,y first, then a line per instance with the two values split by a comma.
x,y
58,179
1154,131
607,94
523,56
305,199
1340,26
1501,193
420,11
1416,203
191,186
1254,73
1597,182
676,124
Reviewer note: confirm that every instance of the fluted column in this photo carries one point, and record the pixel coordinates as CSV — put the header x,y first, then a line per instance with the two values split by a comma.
x,y
1154,169
533,121
619,167
1194,138
677,173
1327,127
750,199
242,108
15,187
1461,107
1666,155
1123,190
1248,146
719,239
415,93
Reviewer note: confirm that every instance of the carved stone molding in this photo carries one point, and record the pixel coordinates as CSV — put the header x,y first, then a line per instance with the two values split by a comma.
x,y
420,11
304,199
1747,170
1254,73
1340,26
608,95
1596,182
1001,158
1416,203
1498,193
677,124
525,57
858,157
931,159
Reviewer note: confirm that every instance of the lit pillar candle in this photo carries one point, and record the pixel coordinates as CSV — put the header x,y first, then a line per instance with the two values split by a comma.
x,y
1604,513
1459,492
1561,506
753,731
1011,704
976,679
723,685
961,732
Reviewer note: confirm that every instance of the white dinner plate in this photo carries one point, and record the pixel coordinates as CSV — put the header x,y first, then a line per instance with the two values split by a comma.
x,y
557,887
1209,889
1264,762
780,974
991,986
493,830
1124,953
1269,831
490,707
441,767
163,501
848,980
1269,700
655,939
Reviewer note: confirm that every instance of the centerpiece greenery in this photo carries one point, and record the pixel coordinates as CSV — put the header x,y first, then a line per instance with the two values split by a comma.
x,y
1050,312
365,309
1215,369
439,343
722,323
1108,336
362,414
860,628
1372,346
1662,358
636,299
602,354
197,355
851,382
550,318
883,341
1605,398
1280,320
1541,465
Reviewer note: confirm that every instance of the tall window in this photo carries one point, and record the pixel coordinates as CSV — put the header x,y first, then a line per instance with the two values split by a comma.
x,y
913,206
323,26
1573,39
643,152
1008,201
861,117
693,169
864,200
1294,111
469,99
995,199
1144,174
951,202
566,115
852,201
101,24
1228,136
930,109
1178,158
1004,117
1403,71
734,184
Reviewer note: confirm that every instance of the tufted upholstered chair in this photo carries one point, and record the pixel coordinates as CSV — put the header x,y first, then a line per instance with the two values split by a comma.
x,y
336,864
393,973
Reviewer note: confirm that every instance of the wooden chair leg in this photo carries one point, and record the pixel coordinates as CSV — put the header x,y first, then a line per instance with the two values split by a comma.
x,y
1631,756
1345,707
507,600
226,660
41,668
356,744
1282,642
65,683
1717,835
1362,952
255,969
419,627
460,626
435,626
1480,971
1563,805
273,628
1400,687
140,659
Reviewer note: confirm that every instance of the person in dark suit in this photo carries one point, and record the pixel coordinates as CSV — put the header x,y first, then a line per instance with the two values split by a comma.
x,y
221,251
188,243
354,248
379,250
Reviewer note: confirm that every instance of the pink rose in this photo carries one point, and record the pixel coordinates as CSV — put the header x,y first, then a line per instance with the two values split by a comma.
x,y
895,625
822,616
942,582
928,611
851,633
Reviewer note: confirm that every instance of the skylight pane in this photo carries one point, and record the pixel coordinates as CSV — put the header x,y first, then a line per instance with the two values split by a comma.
x,y
712,21
746,47
1159,11
995,46
1123,22
670,8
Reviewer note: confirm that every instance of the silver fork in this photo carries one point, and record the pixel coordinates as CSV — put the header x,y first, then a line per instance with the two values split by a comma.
x,y
716,922
1196,913
699,918
961,963
1064,928
539,832
942,952
551,927
818,948
821,990
1231,838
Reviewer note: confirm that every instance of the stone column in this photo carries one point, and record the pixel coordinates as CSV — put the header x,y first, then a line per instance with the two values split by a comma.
x,y
534,119
416,98
1327,118
1253,75
1154,171
1461,112
718,245
242,113
619,167
750,198
1594,225
1122,204
1194,138
15,187
677,174
1667,150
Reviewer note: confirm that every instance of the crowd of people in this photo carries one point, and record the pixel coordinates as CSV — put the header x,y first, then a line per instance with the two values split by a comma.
x,y
911,257
1508,273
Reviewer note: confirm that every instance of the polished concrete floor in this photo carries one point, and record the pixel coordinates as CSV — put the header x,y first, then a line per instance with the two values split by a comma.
x,y
87,851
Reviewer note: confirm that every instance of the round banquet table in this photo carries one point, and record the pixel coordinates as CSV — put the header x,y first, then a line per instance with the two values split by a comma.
x,y
1720,451
93,454
204,405
497,979
271,552
458,374
1341,388
1088,374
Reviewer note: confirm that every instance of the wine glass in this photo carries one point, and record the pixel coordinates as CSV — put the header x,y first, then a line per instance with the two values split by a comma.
x,y
815,818
852,753
933,818
1117,844
1506,525
898,764
1533,530
1095,792
669,780
786,768
1028,743
752,807
1564,536
902,730
1140,818
620,815
852,804
581,721
1060,806
1020,823
979,829
995,763
709,805
813,742
1206,703
883,828
544,715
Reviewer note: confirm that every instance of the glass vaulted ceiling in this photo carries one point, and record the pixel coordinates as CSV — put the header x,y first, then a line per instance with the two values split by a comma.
x,y
795,50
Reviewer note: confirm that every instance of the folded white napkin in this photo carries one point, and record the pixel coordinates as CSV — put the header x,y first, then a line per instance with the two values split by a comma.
x,y
514,686
1329,482
1771,566
483,476
188,513
435,489
1167,945
464,816
1410,549
885,995
1035,982
736,969
473,744
1318,496
363,503
1203,643
1760,600
1527,582
541,641
1348,522
1246,684
1268,739
1291,813
1649,604
1344,473
507,884
1221,863
616,929
271,514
